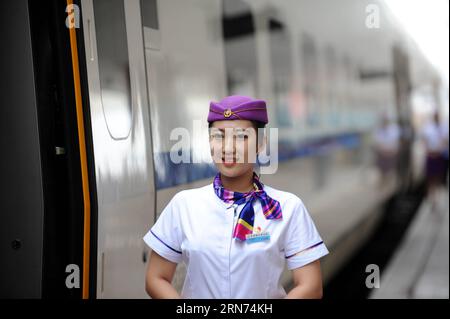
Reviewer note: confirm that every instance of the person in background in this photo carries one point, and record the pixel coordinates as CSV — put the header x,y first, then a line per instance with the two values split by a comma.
x,y
435,138
386,143
444,127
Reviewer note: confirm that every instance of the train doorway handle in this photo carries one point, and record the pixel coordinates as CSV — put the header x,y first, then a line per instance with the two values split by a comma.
x,y
90,37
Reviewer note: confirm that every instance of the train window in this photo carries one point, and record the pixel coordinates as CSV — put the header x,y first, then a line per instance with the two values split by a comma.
x,y
346,67
150,24
113,63
352,83
331,80
240,48
149,14
310,77
280,58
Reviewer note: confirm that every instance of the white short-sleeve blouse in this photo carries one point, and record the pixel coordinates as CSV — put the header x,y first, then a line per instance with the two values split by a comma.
x,y
196,228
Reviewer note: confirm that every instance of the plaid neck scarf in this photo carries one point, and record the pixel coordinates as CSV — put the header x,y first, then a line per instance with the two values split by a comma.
x,y
271,208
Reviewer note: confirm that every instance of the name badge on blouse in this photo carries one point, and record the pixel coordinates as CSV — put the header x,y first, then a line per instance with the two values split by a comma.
x,y
257,237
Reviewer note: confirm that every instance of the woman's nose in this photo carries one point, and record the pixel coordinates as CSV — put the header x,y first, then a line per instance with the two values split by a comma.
x,y
229,143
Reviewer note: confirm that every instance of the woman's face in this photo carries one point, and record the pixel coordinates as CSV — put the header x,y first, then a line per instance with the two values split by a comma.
x,y
233,146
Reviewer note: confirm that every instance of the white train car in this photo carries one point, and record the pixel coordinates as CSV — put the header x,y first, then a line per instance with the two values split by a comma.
x,y
326,70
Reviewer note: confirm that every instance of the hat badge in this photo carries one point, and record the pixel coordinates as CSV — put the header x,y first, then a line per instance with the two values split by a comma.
x,y
227,113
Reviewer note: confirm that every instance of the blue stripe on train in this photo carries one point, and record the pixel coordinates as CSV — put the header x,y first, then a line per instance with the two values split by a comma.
x,y
169,174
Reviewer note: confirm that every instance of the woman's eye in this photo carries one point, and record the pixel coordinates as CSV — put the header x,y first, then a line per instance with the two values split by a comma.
x,y
241,136
217,136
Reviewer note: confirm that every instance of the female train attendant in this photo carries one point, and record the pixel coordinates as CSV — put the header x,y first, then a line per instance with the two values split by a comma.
x,y
236,234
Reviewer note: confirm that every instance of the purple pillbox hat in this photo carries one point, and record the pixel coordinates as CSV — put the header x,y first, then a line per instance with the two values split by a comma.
x,y
238,107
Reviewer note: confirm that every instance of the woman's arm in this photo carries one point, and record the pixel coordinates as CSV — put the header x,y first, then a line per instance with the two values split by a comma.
x,y
307,281
158,281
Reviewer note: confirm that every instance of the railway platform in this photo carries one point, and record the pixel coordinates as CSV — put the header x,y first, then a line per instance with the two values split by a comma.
x,y
420,267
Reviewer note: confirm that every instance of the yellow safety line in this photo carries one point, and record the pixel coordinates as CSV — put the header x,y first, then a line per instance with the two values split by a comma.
x,y
83,161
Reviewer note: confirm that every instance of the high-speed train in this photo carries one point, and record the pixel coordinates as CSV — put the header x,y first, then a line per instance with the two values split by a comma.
x,y
93,90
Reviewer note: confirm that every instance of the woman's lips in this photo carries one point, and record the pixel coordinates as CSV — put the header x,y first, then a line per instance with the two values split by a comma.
x,y
228,161
229,164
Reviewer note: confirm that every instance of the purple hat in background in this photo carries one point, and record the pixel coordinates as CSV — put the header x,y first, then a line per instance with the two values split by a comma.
x,y
238,107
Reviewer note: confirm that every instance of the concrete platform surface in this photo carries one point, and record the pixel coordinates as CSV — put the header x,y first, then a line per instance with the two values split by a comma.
x,y
420,267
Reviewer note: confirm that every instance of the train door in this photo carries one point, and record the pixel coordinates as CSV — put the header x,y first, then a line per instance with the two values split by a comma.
x,y
121,142
45,175
402,89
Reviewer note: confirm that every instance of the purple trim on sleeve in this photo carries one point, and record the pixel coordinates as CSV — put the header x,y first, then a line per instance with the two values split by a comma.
x,y
315,245
165,243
